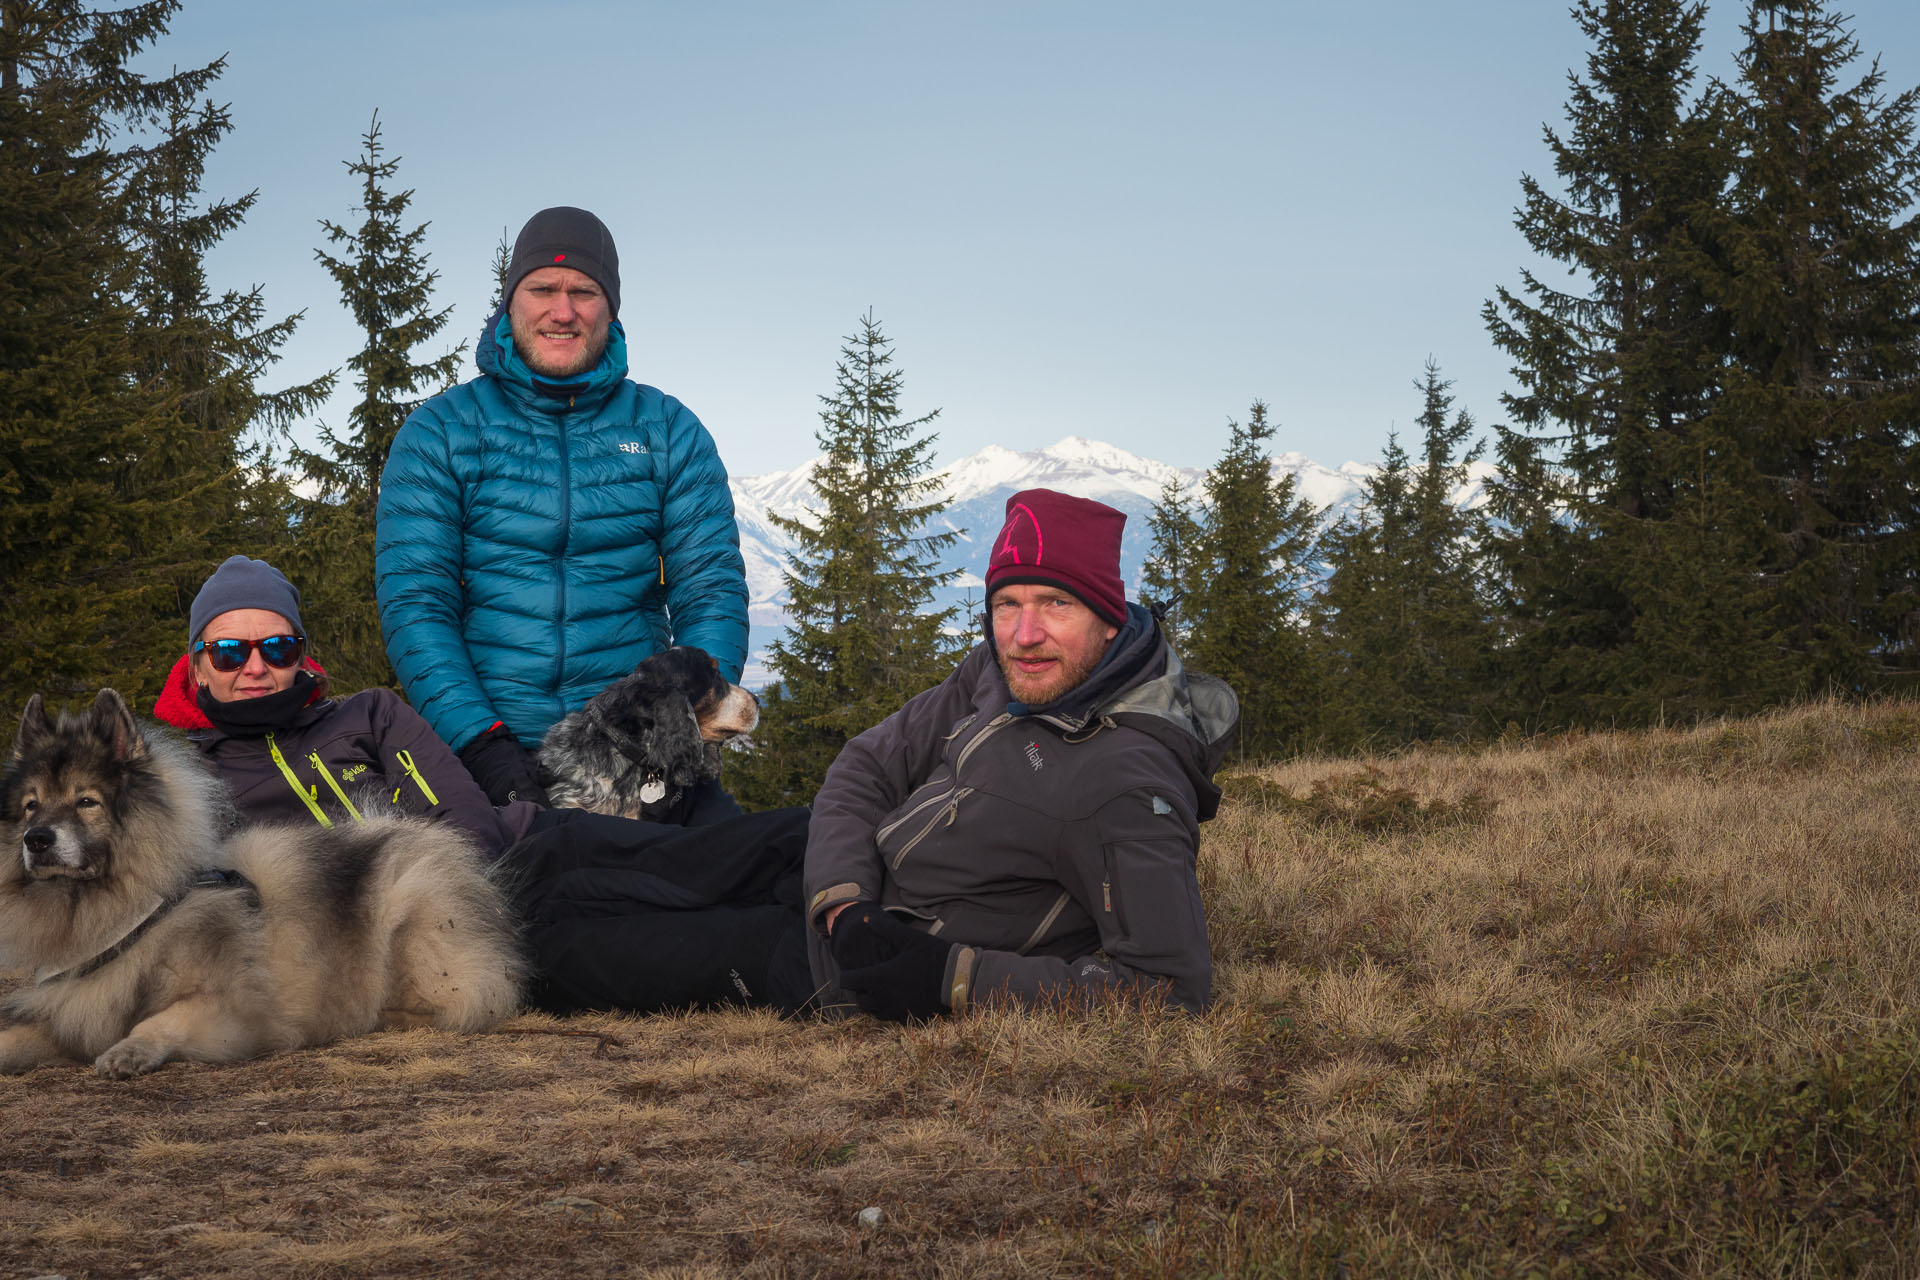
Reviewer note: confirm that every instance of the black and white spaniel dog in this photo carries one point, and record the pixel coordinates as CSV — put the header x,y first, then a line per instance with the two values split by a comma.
x,y
644,743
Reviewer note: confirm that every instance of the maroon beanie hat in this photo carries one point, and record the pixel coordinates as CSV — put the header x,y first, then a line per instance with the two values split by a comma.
x,y
1066,542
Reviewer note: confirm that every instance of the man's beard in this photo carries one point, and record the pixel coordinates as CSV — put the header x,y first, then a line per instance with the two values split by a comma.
x,y
1038,690
525,343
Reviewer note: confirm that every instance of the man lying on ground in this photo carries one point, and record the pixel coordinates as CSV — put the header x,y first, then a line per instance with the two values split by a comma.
x,y
1027,829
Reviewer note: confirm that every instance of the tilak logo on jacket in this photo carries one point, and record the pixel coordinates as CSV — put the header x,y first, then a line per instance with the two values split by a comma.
x,y
1033,757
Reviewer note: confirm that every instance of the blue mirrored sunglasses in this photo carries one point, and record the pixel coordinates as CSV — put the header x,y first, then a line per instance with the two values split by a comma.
x,y
231,655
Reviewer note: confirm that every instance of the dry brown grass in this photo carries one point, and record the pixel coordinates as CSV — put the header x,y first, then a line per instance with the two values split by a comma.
x,y
1599,1004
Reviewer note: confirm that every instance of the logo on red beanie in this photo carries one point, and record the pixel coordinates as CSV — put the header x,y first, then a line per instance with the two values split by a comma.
x,y
1020,520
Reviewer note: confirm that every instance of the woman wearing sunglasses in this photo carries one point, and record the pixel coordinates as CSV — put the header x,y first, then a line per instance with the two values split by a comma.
x,y
619,913
255,704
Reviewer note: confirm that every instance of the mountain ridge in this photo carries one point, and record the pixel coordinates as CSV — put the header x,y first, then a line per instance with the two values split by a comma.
x,y
976,488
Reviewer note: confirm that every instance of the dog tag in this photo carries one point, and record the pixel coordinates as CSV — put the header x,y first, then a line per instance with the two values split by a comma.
x,y
653,791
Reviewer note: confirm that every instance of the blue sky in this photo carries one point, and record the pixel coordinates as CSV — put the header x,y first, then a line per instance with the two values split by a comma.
x,y
1117,220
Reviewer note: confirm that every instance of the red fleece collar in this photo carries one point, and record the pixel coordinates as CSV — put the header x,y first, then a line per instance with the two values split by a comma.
x,y
179,703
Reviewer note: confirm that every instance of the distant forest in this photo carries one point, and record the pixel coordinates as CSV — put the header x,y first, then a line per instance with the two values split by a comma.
x,y
1705,492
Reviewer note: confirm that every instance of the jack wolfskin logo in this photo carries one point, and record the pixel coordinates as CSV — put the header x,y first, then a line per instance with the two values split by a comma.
x,y
1033,757
740,984
633,446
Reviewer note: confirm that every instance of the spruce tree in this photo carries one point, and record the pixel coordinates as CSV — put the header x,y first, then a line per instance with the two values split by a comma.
x,y
1616,373
1822,412
117,474
497,272
1254,569
1404,611
863,637
1172,556
384,280
205,357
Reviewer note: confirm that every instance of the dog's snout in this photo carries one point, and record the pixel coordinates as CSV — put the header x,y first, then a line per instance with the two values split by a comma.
x,y
39,840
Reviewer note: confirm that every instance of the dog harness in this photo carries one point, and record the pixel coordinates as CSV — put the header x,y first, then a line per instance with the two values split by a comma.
x,y
211,878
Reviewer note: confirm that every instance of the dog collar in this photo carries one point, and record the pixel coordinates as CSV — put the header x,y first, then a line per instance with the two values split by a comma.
x,y
210,879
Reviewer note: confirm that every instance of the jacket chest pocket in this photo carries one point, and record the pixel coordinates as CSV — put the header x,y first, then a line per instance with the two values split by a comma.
x,y
937,811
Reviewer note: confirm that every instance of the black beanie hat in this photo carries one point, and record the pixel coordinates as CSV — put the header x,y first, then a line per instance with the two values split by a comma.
x,y
564,236
241,583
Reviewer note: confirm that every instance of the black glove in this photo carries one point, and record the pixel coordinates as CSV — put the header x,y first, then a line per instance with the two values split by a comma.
x,y
907,985
854,942
504,769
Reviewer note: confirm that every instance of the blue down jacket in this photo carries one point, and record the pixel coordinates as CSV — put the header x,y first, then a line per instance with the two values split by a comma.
x,y
535,543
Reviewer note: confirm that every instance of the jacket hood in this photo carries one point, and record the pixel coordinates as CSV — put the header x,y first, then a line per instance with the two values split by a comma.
x,y
1196,715
1141,683
497,357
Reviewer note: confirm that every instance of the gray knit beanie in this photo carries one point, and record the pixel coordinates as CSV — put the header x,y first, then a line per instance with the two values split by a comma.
x,y
241,583
566,237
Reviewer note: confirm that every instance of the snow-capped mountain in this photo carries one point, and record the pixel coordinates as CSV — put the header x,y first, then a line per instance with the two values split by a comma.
x,y
977,488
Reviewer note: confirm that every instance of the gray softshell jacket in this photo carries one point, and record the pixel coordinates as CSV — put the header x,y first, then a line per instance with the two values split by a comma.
x,y
1055,844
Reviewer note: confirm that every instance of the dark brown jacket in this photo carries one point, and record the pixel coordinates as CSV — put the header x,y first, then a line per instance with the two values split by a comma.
x,y
1055,844
371,752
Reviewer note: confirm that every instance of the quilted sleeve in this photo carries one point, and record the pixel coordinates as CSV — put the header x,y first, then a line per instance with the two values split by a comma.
x,y
700,546
417,567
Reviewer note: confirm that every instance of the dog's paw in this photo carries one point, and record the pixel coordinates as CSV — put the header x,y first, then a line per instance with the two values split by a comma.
x,y
130,1058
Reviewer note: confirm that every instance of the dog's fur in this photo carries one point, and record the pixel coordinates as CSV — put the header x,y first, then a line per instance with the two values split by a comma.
x,y
663,725
331,932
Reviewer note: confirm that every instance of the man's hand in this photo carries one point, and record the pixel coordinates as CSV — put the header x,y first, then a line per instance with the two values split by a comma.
x,y
895,971
504,769
854,941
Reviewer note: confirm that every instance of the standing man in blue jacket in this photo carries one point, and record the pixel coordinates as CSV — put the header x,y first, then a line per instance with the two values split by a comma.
x,y
548,525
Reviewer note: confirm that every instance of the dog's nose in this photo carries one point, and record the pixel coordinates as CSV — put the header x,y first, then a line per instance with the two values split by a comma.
x,y
39,839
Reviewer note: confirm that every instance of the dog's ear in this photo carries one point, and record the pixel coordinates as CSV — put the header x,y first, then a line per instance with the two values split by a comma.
x,y
113,724
673,743
35,728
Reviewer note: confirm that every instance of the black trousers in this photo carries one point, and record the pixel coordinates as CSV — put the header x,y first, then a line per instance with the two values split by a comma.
x,y
622,914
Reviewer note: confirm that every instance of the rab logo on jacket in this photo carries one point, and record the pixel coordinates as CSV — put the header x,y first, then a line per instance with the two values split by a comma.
x,y
633,446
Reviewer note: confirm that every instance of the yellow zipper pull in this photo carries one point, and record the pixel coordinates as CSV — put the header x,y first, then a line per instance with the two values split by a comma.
x,y
406,762
307,795
313,758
